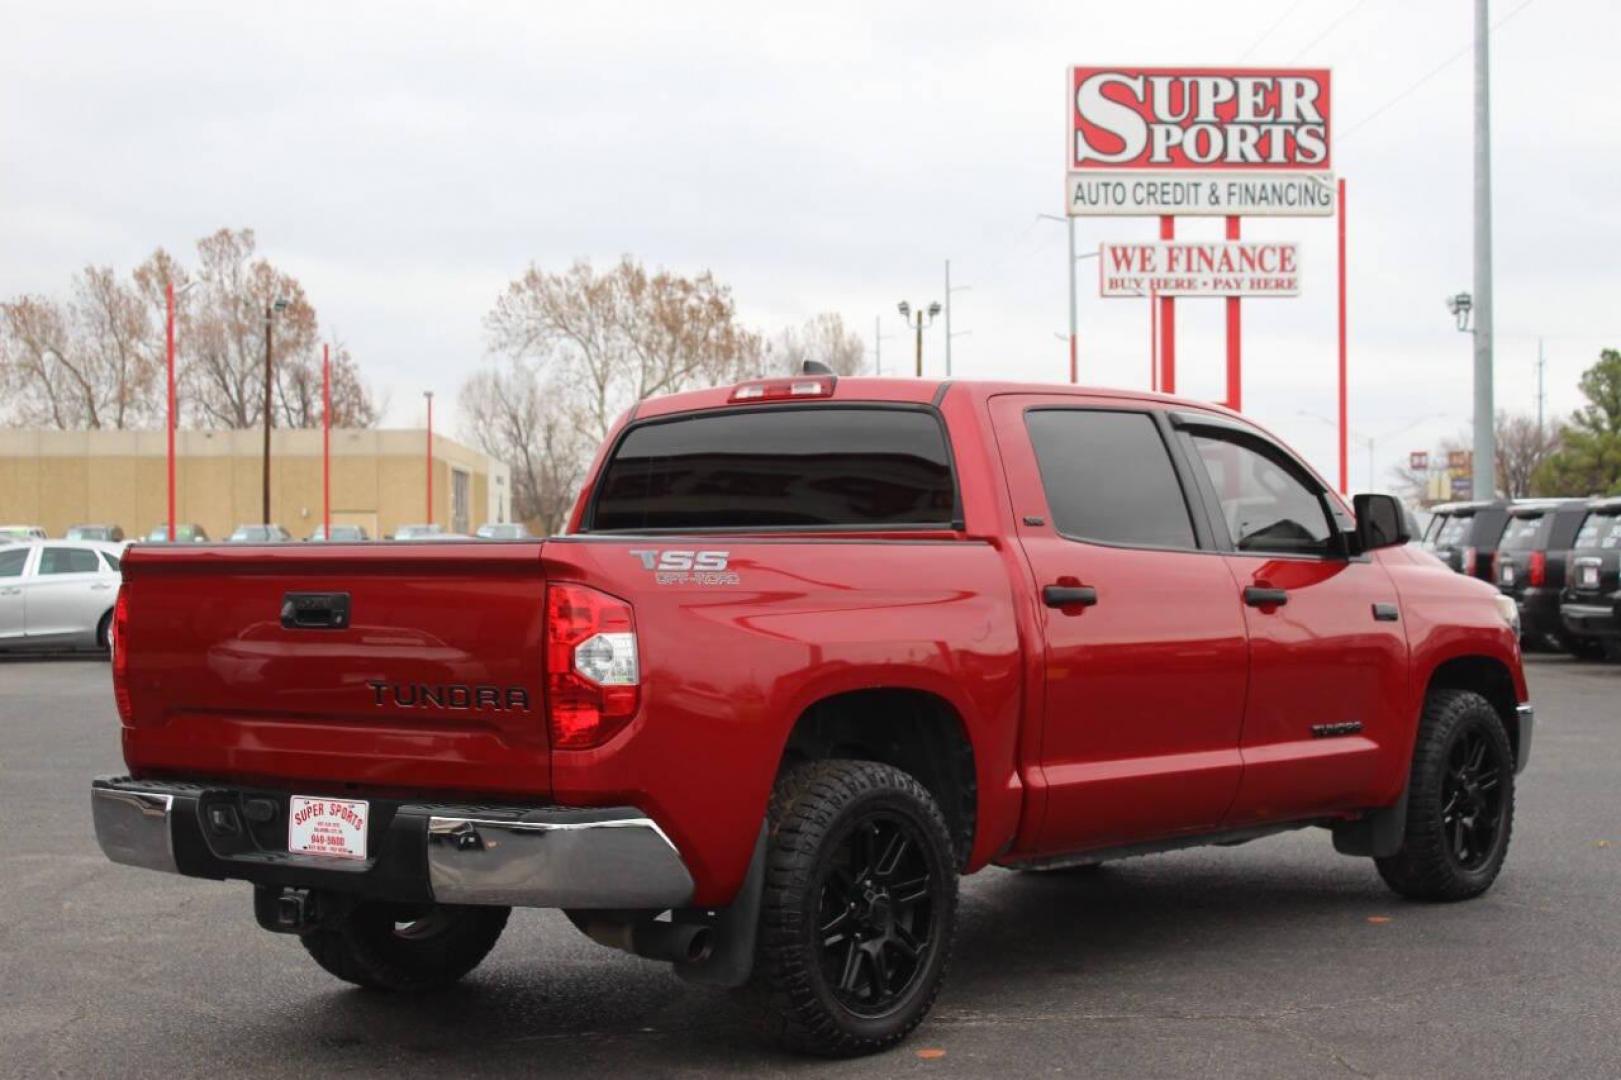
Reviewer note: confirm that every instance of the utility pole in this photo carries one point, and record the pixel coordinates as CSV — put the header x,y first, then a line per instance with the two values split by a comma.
x,y
1485,467
950,288
270,314
1542,365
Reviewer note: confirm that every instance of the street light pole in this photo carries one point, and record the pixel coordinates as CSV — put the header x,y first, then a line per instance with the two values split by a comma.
x,y
429,395
270,312
905,309
1074,368
1485,466
168,294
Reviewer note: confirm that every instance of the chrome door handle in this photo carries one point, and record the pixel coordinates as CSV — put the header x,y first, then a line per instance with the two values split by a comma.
x,y
101,586
15,590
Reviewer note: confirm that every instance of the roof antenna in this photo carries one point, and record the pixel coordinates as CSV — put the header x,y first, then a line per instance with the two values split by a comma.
x,y
815,367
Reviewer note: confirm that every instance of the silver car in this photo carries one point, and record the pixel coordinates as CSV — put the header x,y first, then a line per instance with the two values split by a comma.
x,y
57,594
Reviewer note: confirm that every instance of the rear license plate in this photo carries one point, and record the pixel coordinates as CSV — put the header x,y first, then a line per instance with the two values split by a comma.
x,y
1507,574
331,828
1589,577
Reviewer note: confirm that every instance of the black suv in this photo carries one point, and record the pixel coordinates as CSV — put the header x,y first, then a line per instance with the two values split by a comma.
x,y
1464,535
1590,606
1532,558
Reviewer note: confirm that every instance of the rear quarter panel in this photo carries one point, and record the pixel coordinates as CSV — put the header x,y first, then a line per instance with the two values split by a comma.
x,y
728,668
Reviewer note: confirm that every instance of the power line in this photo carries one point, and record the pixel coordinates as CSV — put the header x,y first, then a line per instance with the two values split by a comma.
x,y
1327,30
1268,31
1426,77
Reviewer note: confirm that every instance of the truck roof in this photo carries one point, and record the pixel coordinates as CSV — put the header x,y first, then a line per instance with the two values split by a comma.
x,y
905,391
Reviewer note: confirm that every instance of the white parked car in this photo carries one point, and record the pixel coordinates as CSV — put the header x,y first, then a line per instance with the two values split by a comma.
x,y
57,594
22,532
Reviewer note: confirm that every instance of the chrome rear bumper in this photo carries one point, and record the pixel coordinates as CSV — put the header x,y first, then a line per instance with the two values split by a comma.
x,y
614,858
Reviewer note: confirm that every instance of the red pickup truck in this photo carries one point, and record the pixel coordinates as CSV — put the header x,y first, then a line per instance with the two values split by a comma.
x,y
809,649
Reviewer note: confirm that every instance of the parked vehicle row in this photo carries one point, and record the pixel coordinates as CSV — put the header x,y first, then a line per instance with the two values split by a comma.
x,y
1558,559
192,533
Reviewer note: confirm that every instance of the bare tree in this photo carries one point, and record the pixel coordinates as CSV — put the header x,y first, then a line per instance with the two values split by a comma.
x,y
1522,447
624,334
91,363
298,392
825,339
510,414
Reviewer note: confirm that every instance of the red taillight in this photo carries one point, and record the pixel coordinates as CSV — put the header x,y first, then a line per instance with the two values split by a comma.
x,y
593,674
119,643
806,386
1538,570
1470,558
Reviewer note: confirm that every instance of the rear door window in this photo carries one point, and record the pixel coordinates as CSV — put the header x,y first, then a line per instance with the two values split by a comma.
x,y
1108,477
1455,533
1596,531
816,467
1522,532
12,561
55,560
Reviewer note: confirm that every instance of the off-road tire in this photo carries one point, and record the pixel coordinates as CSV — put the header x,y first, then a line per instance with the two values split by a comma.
x,y
364,947
817,811
1428,866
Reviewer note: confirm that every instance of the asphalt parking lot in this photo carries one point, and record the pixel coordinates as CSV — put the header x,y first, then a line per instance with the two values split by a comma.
x,y
1278,958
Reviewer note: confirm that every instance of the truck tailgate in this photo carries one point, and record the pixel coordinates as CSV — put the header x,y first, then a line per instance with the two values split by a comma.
x,y
398,666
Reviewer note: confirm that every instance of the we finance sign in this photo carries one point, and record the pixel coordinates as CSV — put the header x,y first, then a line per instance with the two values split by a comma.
x,y
1249,141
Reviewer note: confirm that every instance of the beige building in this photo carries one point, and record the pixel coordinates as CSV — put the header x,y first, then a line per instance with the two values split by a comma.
x,y
379,480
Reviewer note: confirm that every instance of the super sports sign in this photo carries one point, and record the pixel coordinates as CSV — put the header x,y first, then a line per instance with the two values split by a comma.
x,y
1199,141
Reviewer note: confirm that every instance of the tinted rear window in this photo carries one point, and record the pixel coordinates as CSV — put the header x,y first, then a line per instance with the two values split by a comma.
x,y
814,468
1598,531
1454,531
1108,477
1522,532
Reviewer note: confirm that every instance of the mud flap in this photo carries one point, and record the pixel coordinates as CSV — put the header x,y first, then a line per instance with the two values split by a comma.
x,y
731,960
1379,834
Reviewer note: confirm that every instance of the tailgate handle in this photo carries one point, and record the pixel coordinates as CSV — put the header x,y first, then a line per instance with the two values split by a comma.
x,y
315,610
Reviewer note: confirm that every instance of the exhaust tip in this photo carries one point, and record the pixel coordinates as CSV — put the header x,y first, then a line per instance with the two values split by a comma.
x,y
700,945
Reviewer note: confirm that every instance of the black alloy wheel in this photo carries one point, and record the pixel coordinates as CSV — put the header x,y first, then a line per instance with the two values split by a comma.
x,y
1472,799
875,915
1460,801
858,907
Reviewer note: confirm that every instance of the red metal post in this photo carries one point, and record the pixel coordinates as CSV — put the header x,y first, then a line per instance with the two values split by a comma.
x,y
168,296
1235,377
1344,479
429,396
1153,337
326,443
1167,320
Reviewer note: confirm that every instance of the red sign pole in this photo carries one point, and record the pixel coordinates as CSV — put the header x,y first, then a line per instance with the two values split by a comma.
x,y
1344,484
168,295
1167,319
1235,366
1153,337
326,443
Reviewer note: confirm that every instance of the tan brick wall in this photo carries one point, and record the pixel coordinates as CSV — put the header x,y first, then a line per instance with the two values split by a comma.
x,y
57,479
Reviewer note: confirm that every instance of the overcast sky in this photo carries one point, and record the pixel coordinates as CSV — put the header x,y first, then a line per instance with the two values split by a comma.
x,y
406,161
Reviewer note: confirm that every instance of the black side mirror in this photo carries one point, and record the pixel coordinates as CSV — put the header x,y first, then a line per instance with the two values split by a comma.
x,y
1380,522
